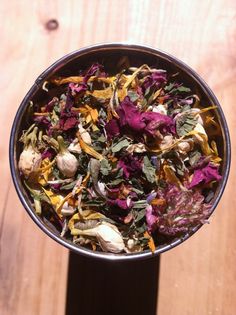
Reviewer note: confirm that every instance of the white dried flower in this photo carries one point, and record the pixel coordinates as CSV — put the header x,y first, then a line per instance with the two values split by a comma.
x,y
184,147
199,118
67,210
66,161
75,147
200,129
130,243
108,236
102,188
85,135
132,246
161,109
29,161
166,142
137,148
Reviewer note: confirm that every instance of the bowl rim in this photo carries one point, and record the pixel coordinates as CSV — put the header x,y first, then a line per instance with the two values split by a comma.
x,y
37,84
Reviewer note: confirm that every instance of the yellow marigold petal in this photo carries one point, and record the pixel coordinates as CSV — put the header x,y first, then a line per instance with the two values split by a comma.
x,y
203,110
83,216
79,79
45,173
54,198
94,127
122,93
87,149
71,194
67,197
45,168
41,114
102,94
88,119
171,177
94,114
151,243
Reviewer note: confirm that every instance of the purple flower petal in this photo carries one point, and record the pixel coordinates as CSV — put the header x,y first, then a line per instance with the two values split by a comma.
x,y
120,203
154,121
205,175
43,120
183,210
130,116
56,187
131,165
151,219
50,105
112,128
68,123
134,122
155,79
48,153
77,88
95,69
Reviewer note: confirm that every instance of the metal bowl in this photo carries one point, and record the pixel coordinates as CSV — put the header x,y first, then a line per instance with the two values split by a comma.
x,y
110,55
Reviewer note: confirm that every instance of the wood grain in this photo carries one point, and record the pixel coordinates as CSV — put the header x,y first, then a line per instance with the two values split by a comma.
x,y
199,276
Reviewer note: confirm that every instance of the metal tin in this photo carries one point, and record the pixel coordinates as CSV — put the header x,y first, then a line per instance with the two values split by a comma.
x,y
109,54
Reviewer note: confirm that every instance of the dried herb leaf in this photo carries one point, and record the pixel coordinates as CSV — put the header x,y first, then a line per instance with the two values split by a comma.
x,y
133,96
149,170
105,167
185,123
120,145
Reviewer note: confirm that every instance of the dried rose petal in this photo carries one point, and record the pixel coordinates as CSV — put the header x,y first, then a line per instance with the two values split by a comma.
x,y
112,128
131,165
156,78
205,175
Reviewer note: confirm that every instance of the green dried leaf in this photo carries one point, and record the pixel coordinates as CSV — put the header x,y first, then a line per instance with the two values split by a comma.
x,y
140,215
116,182
102,139
140,204
133,96
120,145
183,89
94,203
137,191
141,229
185,123
169,87
105,167
149,170
194,157
69,186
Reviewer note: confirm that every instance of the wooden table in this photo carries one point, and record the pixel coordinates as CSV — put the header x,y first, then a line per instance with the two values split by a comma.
x,y
198,277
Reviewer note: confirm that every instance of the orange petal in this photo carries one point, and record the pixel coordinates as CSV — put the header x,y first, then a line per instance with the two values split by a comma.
x,y
151,243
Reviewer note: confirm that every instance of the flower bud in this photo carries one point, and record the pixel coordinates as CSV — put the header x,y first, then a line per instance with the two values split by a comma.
x,y
109,238
66,162
85,135
29,161
184,147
